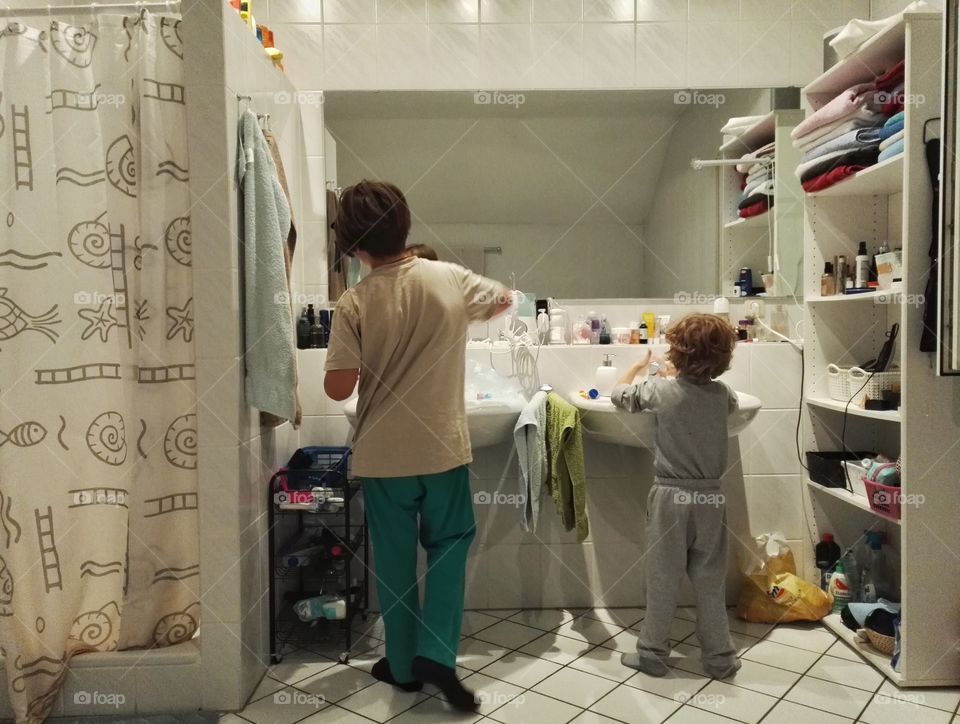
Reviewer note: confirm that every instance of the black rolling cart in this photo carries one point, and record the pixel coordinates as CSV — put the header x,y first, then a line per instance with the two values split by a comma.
x,y
319,553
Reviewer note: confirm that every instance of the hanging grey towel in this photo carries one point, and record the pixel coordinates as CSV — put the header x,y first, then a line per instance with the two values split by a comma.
x,y
531,441
271,372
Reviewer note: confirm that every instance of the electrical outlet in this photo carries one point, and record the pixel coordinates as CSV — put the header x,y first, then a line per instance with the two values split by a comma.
x,y
755,308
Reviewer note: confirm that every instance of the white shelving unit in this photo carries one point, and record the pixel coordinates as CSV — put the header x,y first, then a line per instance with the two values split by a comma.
x,y
889,202
776,233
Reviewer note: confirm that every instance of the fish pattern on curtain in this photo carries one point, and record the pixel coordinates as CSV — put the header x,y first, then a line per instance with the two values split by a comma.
x,y
98,451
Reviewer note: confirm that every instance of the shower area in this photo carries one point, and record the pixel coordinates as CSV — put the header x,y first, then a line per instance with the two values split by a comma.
x,y
132,522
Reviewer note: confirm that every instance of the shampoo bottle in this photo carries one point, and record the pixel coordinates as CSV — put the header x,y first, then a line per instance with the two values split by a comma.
x,y
604,330
862,266
606,376
594,321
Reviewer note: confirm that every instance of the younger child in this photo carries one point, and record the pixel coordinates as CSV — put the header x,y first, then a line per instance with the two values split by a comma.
x,y
686,517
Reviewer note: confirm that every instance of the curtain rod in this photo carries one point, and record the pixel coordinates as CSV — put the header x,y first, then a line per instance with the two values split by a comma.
x,y
6,12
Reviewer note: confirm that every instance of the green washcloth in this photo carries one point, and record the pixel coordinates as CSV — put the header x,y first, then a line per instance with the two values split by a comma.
x,y
568,479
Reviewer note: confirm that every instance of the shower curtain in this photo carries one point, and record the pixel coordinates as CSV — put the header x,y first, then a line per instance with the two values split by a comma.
x,y
98,450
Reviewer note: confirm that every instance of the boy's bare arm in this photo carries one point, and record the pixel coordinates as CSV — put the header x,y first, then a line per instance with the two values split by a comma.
x,y
635,369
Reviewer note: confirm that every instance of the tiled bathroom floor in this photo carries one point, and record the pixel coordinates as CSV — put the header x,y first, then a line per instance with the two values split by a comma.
x,y
553,666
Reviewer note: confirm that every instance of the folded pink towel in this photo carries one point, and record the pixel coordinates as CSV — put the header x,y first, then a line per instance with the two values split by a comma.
x,y
844,105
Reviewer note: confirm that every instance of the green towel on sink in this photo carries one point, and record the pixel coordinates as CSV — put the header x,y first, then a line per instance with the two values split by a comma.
x,y
568,479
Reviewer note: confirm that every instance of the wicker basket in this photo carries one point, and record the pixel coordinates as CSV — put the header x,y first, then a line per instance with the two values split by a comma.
x,y
883,644
856,385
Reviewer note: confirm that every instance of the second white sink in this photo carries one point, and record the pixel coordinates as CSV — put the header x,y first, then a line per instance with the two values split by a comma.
x,y
604,422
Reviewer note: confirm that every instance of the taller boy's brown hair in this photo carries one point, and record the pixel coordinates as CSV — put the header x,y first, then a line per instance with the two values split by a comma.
x,y
701,346
373,217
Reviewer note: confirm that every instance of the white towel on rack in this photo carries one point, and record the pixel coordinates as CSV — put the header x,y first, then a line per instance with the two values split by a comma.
x,y
530,437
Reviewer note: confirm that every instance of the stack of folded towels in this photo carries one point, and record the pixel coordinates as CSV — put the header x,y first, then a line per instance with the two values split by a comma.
x,y
858,128
756,186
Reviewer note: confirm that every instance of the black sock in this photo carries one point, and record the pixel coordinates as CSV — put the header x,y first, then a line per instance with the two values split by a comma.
x,y
430,672
381,671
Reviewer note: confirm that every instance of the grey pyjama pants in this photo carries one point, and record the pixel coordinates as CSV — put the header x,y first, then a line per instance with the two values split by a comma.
x,y
686,532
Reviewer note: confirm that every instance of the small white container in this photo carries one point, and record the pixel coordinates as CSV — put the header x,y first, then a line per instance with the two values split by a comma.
x,y
854,471
621,335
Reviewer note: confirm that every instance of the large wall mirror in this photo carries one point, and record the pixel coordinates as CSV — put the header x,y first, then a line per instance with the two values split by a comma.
x,y
573,194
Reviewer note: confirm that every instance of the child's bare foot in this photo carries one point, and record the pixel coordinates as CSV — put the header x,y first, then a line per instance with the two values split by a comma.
x,y
653,667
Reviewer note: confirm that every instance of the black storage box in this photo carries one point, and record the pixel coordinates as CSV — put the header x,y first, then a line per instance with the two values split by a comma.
x,y
825,469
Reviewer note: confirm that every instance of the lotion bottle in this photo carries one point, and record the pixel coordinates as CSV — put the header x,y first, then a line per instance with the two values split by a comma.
x,y
862,266
606,376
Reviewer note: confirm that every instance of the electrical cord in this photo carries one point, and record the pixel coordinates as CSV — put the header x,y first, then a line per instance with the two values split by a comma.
x,y
843,430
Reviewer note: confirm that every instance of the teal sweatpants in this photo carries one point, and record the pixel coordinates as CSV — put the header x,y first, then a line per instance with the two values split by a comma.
x,y
437,510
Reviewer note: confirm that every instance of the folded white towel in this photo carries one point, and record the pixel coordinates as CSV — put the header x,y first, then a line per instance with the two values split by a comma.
x,y
898,136
857,32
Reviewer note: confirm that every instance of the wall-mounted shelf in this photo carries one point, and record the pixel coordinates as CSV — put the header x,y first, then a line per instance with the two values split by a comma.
x,y
829,404
857,501
883,179
885,296
757,135
880,661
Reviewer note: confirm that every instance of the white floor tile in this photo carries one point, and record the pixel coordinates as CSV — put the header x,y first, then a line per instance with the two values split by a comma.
x,y
811,637
633,705
827,696
945,699
335,715
336,683
786,712
575,687
849,673
680,629
521,669
748,628
603,662
546,619
509,634
266,687
534,708
284,707
558,649
474,621
733,702
686,658
886,710
435,711
589,629
500,612
840,650
765,679
474,654
624,642
381,701
491,693
619,616
741,642
591,717
784,657
290,672
692,715
678,685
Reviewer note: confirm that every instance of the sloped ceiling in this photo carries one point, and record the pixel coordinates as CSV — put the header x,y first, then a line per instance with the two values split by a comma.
x,y
553,158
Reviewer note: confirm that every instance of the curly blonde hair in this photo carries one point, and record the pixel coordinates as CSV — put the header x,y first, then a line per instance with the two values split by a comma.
x,y
701,345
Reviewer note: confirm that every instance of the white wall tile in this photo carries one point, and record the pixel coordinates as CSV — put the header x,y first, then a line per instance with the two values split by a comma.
x,y
313,431
806,62
661,10
310,364
557,55
294,11
313,191
772,9
401,11
608,11
349,11
768,444
350,56
661,55
403,56
302,54
552,11
827,13
775,375
608,54
453,11
712,53
763,61
774,503
506,11
506,55
455,56
715,10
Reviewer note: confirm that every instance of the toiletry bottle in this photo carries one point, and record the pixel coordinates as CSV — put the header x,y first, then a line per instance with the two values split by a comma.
x,y
635,333
851,568
840,272
606,376
721,308
644,333
650,320
862,268
663,321
323,317
316,335
779,321
746,281
312,321
594,321
303,331
604,330
828,281
839,588
582,332
827,553
543,327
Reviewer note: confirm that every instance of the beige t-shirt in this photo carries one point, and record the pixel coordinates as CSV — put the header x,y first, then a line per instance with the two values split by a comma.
x,y
405,327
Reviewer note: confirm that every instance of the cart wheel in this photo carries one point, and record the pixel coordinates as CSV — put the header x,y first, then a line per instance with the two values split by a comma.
x,y
343,658
276,658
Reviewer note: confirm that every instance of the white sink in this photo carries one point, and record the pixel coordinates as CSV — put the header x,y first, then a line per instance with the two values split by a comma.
x,y
489,421
602,421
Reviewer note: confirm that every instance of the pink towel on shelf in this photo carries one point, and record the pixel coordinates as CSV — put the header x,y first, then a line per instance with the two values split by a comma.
x,y
845,106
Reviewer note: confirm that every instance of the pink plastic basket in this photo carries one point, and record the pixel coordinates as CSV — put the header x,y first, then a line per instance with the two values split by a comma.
x,y
884,499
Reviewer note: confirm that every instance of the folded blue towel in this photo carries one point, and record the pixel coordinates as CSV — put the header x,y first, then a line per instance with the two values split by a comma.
x,y
849,141
895,119
893,125
891,151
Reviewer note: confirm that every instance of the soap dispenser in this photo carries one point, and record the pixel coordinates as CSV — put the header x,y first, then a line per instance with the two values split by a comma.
x,y
606,376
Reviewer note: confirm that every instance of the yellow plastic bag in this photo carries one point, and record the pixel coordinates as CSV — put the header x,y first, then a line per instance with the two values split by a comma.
x,y
772,592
